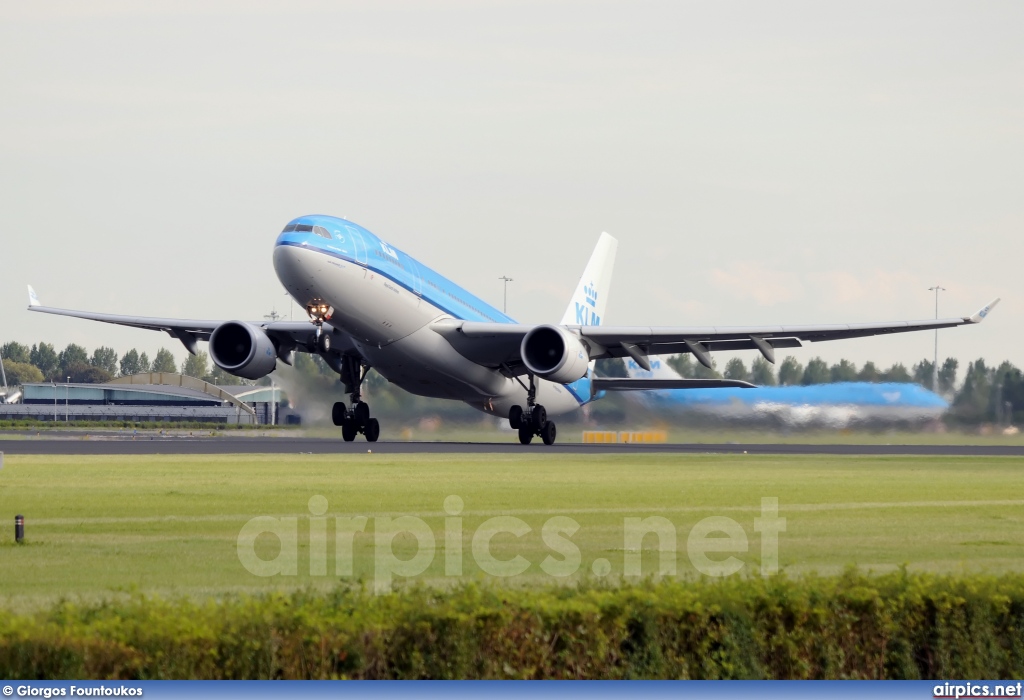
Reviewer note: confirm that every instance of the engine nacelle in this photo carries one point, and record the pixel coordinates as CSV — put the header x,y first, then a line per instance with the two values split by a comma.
x,y
554,354
242,350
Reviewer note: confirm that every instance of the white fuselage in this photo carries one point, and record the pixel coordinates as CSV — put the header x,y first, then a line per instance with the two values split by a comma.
x,y
389,325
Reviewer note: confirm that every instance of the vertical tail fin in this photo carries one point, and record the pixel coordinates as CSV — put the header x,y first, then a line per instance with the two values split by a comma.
x,y
590,299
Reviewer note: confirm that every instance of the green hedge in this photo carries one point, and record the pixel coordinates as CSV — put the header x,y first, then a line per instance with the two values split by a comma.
x,y
853,626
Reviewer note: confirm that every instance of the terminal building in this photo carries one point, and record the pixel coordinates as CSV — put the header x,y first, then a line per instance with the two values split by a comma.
x,y
151,397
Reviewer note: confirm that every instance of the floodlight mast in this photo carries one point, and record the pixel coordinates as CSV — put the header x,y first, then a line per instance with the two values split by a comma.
x,y
935,365
504,305
3,373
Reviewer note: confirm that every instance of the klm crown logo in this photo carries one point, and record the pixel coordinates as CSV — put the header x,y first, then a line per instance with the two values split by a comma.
x,y
591,294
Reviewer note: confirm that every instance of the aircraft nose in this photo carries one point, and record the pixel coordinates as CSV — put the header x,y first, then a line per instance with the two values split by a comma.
x,y
289,247
290,265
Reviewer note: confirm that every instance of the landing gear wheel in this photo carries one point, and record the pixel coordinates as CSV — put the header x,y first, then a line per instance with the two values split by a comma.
x,y
515,416
539,416
372,430
348,431
339,414
324,343
548,433
525,434
361,414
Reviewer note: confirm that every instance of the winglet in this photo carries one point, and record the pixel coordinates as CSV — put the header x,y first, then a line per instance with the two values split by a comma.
x,y
33,300
980,316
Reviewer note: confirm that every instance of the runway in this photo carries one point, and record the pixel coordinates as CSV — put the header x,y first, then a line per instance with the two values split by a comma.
x,y
146,445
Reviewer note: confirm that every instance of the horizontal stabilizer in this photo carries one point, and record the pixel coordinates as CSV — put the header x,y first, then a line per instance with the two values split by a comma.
x,y
617,384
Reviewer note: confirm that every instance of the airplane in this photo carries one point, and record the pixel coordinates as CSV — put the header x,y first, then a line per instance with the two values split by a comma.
x,y
836,405
371,305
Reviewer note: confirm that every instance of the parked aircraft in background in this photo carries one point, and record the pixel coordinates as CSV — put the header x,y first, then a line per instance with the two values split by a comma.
x,y
838,405
372,305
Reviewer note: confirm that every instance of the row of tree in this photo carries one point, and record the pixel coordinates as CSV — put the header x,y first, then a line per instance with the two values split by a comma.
x,y
987,394
43,363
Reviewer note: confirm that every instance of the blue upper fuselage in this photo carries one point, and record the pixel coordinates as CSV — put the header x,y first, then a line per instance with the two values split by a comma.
x,y
348,241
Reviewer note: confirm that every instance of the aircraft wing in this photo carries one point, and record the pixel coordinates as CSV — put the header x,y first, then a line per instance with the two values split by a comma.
x,y
290,335
498,345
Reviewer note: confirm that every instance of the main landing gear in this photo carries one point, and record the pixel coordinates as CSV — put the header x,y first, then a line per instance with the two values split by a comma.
x,y
357,419
533,421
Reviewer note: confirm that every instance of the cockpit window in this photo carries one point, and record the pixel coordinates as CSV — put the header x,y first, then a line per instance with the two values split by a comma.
x,y
307,228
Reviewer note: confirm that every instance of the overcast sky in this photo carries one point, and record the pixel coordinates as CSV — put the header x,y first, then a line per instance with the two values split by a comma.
x,y
791,162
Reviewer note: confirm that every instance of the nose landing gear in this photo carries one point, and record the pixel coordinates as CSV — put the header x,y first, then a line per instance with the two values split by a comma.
x,y
352,370
534,420
318,313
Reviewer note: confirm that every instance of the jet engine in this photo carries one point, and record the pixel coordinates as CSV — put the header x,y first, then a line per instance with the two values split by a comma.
x,y
243,350
554,354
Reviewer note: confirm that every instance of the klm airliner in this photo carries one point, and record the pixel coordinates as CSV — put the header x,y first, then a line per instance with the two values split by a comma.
x,y
838,405
370,305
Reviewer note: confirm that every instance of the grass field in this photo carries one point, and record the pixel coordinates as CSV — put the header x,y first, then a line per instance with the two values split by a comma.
x,y
171,524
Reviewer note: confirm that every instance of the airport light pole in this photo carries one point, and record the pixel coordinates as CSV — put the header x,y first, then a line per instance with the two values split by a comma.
x,y
935,366
54,385
273,402
504,304
67,390
3,373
